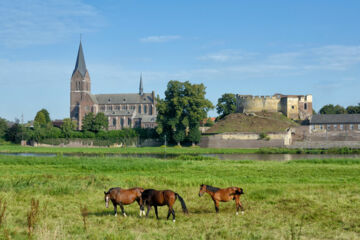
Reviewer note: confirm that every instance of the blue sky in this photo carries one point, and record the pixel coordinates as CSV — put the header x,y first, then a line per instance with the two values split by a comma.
x,y
245,47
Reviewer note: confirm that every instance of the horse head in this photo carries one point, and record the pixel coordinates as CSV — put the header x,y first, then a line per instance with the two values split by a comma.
x,y
202,190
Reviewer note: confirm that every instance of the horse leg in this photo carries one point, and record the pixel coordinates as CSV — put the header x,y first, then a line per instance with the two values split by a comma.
x,y
169,212
173,213
237,202
148,210
241,206
141,211
216,206
122,210
156,212
115,209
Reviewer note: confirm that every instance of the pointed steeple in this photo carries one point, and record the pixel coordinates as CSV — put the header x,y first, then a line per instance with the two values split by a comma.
x,y
80,62
141,89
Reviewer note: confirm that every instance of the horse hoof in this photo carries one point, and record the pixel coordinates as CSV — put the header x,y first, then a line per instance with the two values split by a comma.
x,y
124,214
140,213
242,212
115,215
174,220
237,213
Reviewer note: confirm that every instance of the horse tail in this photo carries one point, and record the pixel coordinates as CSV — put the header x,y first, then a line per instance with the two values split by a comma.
x,y
239,191
183,205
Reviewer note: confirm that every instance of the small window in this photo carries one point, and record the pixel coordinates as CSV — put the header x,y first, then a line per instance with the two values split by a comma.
x,y
328,127
335,126
351,126
117,107
102,108
124,100
114,122
129,122
292,107
109,108
145,109
109,100
305,106
341,127
139,109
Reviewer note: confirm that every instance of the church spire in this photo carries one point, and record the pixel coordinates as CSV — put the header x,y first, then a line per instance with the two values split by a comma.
x,y
80,62
141,90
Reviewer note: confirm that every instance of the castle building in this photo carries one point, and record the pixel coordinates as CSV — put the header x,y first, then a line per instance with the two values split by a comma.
x,y
296,107
122,110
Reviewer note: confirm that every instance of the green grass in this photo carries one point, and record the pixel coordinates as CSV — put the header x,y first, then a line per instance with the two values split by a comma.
x,y
307,199
101,151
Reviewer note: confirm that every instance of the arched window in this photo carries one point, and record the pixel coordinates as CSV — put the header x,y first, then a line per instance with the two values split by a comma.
x,y
145,109
129,122
139,109
114,122
122,123
150,110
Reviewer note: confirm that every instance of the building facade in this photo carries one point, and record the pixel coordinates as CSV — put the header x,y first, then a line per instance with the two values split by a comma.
x,y
335,123
297,107
122,110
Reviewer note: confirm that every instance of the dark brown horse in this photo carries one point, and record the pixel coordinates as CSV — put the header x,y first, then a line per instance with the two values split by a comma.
x,y
151,197
121,197
223,195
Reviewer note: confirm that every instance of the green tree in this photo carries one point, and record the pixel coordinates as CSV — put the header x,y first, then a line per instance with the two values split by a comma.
x,y
331,109
100,122
88,122
3,127
209,123
16,133
46,115
226,104
194,135
353,109
183,108
68,127
40,119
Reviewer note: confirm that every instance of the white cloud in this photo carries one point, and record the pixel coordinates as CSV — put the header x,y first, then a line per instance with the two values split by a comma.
x,y
33,22
227,55
159,39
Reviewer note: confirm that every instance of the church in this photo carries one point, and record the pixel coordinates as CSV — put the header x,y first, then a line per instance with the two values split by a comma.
x,y
124,110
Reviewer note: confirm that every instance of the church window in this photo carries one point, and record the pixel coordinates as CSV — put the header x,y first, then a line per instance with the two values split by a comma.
x,y
150,110
305,106
122,123
102,108
145,109
117,107
109,108
129,122
139,109
341,127
335,126
109,100
114,122
351,126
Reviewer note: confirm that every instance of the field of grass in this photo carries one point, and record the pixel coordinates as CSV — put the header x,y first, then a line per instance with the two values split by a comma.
x,y
309,199
101,151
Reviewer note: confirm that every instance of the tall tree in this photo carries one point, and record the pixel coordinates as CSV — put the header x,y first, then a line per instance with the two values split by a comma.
x,y
46,115
182,109
68,127
331,109
226,104
194,135
88,122
40,119
100,122
3,127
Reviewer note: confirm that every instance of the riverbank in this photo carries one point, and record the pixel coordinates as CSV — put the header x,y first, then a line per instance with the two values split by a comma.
x,y
169,150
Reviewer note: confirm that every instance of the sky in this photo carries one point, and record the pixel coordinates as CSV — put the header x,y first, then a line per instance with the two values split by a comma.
x,y
242,47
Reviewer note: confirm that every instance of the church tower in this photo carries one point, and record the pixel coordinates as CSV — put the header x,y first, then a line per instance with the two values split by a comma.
x,y
80,95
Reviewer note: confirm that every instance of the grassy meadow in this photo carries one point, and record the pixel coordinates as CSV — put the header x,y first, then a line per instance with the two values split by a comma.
x,y
308,199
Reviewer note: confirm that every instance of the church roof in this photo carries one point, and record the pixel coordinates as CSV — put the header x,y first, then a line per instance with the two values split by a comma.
x,y
80,62
129,98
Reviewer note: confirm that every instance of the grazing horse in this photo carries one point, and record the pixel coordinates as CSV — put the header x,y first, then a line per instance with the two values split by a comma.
x,y
151,197
223,195
121,197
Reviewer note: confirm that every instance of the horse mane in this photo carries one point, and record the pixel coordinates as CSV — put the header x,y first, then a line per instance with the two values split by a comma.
x,y
115,188
212,189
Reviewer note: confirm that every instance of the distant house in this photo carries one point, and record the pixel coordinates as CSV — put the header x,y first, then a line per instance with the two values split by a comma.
x,y
335,122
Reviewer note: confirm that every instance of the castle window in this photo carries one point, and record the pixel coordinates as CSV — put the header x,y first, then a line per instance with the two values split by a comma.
x,y
145,109
122,123
117,107
305,106
114,122
150,110
139,109
292,107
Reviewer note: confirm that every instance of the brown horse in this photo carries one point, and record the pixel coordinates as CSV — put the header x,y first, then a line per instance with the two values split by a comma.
x,y
121,197
151,197
223,195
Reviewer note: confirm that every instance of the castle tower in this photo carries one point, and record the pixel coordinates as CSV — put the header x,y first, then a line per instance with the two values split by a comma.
x,y
80,98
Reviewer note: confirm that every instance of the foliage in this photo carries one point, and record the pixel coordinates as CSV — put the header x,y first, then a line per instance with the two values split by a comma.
x,y
194,135
209,123
94,123
226,104
3,127
68,127
16,133
40,119
331,109
183,108
353,109
46,114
